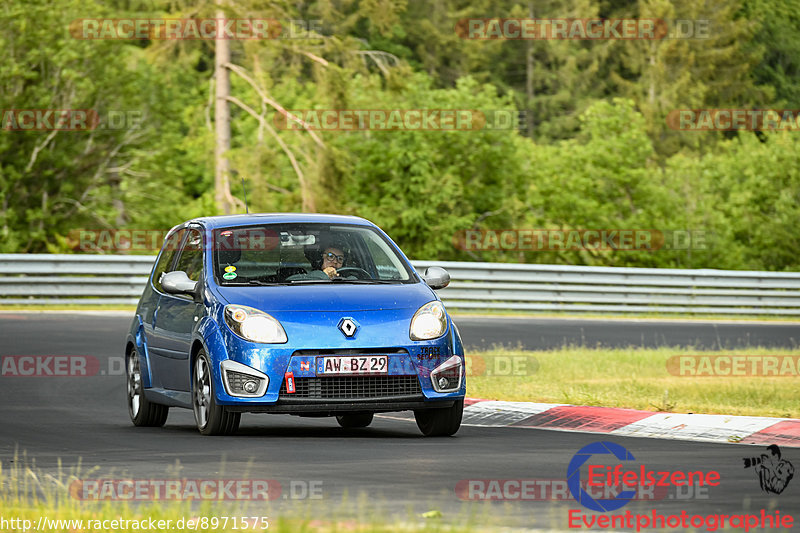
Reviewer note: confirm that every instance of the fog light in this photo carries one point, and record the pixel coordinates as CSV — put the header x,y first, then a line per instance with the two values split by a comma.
x,y
447,376
243,381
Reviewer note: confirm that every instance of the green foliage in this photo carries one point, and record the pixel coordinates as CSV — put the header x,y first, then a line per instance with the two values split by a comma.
x,y
130,172
605,179
423,186
756,188
776,39
599,156
709,72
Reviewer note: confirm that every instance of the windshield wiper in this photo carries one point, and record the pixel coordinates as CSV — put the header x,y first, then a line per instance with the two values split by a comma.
x,y
262,283
364,281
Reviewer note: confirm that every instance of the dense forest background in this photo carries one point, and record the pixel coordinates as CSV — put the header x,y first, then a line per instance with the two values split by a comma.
x,y
593,149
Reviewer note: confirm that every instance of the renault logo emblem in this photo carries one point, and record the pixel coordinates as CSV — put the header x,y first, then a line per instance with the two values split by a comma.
x,y
348,326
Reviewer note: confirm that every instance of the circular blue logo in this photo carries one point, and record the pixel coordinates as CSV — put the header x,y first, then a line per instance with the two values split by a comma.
x,y
602,505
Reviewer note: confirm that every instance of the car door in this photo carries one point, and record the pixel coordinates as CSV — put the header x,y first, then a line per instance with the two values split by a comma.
x,y
176,317
148,305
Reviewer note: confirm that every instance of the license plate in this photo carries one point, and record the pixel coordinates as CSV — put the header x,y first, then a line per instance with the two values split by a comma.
x,y
353,364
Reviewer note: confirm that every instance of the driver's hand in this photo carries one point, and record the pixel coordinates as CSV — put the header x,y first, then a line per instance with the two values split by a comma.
x,y
331,272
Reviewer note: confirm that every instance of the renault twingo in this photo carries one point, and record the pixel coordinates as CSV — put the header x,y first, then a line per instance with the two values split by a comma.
x,y
310,315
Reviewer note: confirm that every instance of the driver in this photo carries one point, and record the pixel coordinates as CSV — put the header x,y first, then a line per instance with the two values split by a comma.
x,y
332,259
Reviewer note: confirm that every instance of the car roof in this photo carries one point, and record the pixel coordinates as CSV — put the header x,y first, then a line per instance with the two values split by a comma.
x,y
227,221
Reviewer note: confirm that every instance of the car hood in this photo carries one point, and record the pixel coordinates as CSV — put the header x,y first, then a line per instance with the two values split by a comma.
x,y
329,297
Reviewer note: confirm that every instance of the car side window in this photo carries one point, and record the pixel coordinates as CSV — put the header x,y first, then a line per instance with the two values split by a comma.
x,y
168,252
191,258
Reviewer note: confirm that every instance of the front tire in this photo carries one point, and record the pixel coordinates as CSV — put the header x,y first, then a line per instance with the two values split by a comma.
x,y
143,412
211,418
440,422
355,420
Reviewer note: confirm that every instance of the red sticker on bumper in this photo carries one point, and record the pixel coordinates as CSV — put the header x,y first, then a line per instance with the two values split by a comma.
x,y
289,382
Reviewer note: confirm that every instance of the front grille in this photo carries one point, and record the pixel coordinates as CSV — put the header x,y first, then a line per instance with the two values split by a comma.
x,y
353,387
236,380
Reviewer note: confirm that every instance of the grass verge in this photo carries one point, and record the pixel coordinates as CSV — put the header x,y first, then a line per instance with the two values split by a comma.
x,y
33,500
631,378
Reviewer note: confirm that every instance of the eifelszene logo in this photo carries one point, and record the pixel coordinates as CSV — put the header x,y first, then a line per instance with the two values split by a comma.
x,y
615,477
574,477
773,472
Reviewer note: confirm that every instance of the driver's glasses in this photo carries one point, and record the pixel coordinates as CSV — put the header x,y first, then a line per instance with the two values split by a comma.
x,y
333,257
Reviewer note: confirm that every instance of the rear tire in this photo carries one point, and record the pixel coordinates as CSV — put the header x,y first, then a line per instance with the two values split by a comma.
x,y
355,420
142,411
440,422
211,418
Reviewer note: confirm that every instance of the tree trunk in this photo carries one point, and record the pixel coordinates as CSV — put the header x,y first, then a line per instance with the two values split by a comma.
x,y
529,123
222,124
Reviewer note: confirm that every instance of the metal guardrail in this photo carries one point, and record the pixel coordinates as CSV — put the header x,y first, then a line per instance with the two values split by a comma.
x,y
109,279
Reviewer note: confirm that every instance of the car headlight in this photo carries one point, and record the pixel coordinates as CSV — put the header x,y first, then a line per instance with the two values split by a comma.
x,y
254,325
429,322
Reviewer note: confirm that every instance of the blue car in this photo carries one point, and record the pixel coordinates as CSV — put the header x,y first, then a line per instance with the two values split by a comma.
x,y
309,315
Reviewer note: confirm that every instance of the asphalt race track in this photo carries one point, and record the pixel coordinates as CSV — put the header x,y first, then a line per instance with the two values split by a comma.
x,y
389,465
548,333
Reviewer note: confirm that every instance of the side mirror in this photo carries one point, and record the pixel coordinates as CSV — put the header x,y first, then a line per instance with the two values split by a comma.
x,y
436,277
178,282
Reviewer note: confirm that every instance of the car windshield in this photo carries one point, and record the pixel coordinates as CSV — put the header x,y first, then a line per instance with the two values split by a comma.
x,y
296,254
